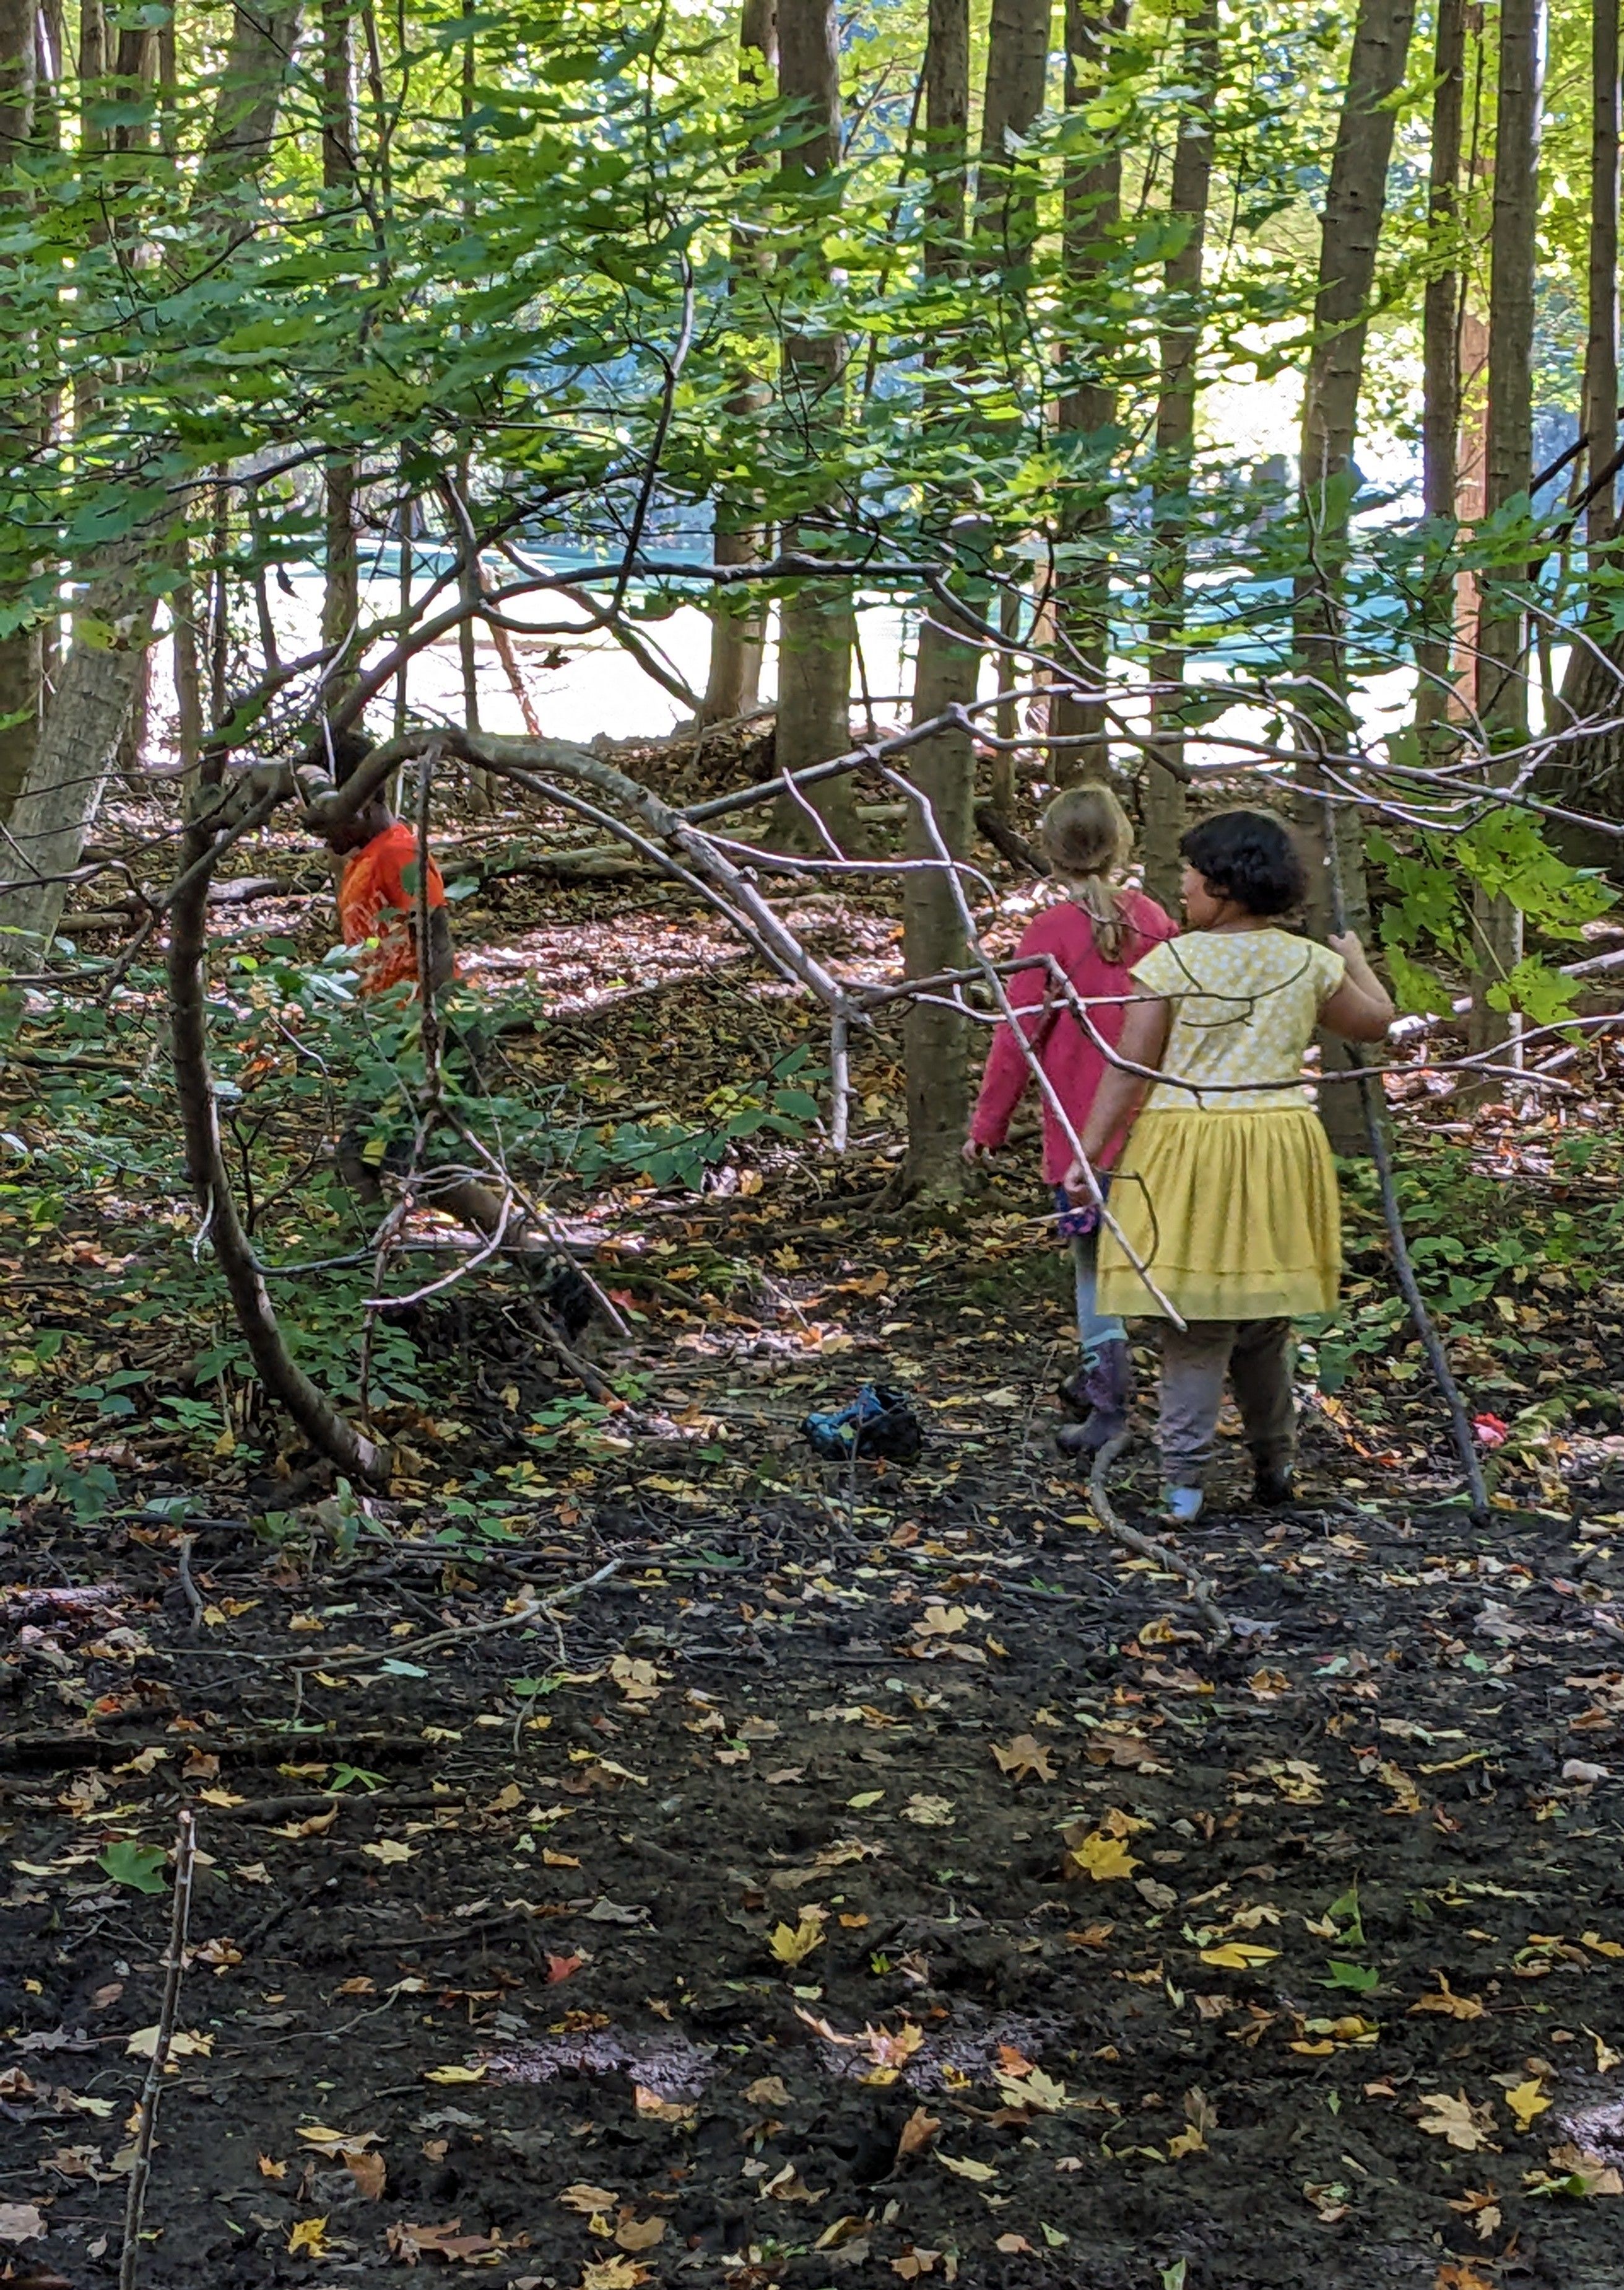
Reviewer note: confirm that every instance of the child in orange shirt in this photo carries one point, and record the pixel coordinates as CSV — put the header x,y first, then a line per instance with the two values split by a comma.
x,y
377,911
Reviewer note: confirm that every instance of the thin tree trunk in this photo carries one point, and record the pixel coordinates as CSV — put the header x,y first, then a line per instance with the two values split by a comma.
x,y
1502,633
21,655
1164,805
936,1039
816,619
341,584
1350,229
80,735
1092,202
738,629
1441,353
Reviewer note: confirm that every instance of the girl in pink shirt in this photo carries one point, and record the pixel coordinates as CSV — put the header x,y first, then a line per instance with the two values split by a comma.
x,y
1096,933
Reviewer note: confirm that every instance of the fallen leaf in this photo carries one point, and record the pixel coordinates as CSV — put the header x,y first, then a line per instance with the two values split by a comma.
x,y
1102,1857
21,2223
964,2167
310,2237
182,2046
1012,2245
1457,2120
1458,2008
639,2234
613,2274
410,2243
369,2173
787,2186
793,1944
651,2104
1526,2100
390,1851
269,2168
585,2199
455,2074
1025,1759
917,2133
1607,2057
768,2091
1239,1954
929,1811
1598,2176
560,1968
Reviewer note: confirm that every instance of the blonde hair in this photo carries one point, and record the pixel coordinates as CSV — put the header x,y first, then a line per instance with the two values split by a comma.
x,y
1088,840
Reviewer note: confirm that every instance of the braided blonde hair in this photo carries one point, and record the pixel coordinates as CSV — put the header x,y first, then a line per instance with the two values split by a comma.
x,y
1088,840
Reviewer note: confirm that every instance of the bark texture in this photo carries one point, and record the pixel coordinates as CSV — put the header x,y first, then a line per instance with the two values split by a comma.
x,y
936,1040
1441,350
1164,807
732,684
1502,629
1351,228
21,655
79,738
816,622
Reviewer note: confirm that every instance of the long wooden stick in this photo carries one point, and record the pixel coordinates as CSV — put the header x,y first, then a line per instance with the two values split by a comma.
x,y
1145,1546
135,2202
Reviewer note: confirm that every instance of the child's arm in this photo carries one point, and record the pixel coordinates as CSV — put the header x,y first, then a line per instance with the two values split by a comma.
x,y
1004,1081
1361,1010
1118,1100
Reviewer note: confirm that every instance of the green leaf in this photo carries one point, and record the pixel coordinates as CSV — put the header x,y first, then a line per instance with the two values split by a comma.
x,y
1361,1978
139,1866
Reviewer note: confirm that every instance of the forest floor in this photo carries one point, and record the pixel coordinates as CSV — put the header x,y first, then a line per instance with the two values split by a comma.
x,y
864,1876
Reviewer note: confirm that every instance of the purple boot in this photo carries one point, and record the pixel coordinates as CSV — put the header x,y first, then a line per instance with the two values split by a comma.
x,y
1106,1384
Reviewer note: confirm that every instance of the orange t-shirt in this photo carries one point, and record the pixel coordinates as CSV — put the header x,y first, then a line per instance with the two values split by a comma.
x,y
375,904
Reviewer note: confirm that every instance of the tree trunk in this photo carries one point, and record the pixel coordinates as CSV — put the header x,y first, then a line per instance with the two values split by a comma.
x,y
738,627
1589,776
936,1039
817,622
1441,355
341,586
1164,805
1091,203
1502,631
62,794
1006,187
21,656
1350,229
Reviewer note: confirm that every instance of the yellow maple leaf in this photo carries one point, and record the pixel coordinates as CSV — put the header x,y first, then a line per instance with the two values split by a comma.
x,y
1103,1858
1239,1954
1527,2101
455,2075
793,1944
310,2236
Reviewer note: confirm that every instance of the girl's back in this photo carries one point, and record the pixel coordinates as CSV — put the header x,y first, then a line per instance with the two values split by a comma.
x,y
1244,1007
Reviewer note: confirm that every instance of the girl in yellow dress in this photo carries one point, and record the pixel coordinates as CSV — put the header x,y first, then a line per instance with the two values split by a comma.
x,y
1226,1190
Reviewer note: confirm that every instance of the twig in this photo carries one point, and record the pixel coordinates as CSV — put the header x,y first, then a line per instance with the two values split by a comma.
x,y
1200,1590
135,2204
184,1567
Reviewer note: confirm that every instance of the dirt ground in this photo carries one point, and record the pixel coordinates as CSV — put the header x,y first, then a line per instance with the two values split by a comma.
x,y
873,1878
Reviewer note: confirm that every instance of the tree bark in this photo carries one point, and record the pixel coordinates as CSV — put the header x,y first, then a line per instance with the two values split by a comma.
x,y
21,654
817,622
1350,229
1164,807
1590,777
1441,355
342,583
1092,205
1012,96
63,791
738,626
1502,630
936,1049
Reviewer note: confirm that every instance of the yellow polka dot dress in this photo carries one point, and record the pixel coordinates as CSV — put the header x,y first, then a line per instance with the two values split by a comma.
x,y
1226,1190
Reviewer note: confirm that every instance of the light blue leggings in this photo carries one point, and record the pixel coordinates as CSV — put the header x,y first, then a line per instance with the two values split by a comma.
x,y
1095,1329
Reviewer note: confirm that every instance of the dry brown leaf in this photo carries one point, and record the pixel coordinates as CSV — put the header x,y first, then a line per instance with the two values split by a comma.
x,y
768,2091
369,2173
585,2199
634,2233
1025,1759
661,2110
1458,2008
1456,2121
409,2243
917,2133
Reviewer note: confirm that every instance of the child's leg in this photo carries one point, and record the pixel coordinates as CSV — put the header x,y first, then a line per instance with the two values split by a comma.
x,y
1105,1385
1095,1331
1260,1370
1194,1361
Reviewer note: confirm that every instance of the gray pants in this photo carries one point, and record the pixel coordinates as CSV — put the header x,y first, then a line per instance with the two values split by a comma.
x,y
1257,1357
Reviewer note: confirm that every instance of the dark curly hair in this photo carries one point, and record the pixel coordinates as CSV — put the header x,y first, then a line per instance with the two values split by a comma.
x,y
1248,856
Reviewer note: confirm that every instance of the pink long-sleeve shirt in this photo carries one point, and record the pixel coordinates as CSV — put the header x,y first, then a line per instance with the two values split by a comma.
x,y
1072,1062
